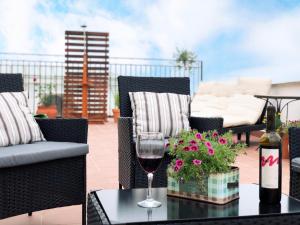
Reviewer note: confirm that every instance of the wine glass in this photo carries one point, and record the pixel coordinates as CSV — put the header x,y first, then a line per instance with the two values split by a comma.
x,y
150,148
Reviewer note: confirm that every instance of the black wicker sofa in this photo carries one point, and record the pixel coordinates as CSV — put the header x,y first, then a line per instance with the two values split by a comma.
x,y
130,173
34,178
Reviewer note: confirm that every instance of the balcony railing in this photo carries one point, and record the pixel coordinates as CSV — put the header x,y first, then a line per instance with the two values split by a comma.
x,y
40,70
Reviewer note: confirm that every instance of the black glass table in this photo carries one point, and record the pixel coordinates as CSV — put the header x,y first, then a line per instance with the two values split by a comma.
x,y
119,207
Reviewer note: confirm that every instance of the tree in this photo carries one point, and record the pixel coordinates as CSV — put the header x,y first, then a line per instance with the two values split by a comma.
x,y
185,59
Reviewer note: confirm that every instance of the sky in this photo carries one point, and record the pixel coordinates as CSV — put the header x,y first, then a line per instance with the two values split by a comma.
x,y
233,37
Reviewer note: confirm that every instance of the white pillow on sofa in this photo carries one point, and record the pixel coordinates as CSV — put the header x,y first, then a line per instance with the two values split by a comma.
x,y
159,112
243,110
254,85
236,110
17,125
220,88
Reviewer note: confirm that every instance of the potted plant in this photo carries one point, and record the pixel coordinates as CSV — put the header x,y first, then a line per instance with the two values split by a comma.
x,y
185,59
283,130
116,110
202,167
47,103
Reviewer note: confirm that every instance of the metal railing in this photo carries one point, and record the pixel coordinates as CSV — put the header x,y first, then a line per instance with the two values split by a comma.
x,y
40,70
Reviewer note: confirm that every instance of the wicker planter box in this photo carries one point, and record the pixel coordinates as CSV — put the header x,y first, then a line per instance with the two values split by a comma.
x,y
218,188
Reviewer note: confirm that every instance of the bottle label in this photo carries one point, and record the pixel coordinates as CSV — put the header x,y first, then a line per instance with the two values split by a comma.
x,y
269,168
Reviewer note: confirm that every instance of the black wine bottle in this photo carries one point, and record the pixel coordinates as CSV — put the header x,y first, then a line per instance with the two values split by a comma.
x,y
270,162
269,208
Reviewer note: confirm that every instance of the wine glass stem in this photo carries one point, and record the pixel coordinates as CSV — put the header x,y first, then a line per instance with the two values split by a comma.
x,y
150,178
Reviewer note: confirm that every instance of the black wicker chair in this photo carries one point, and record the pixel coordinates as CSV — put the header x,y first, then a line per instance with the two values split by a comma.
x,y
50,184
130,173
294,152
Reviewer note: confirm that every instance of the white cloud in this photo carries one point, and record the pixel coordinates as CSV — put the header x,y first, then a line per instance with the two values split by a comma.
x,y
275,41
19,27
16,20
164,24
272,43
187,24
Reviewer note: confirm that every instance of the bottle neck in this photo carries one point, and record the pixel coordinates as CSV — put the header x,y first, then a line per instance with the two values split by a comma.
x,y
270,119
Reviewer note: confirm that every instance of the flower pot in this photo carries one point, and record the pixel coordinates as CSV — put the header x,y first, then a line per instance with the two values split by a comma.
x,y
219,188
285,146
116,113
50,111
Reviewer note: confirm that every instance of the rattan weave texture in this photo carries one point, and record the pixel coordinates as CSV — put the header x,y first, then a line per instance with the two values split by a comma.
x,y
294,151
64,130
11,82
41,186
45,185
205,124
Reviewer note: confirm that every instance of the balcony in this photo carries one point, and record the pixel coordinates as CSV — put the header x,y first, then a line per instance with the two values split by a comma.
x,y
102,161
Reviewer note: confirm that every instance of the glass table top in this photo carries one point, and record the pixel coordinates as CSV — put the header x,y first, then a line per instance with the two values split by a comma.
x,y
121,206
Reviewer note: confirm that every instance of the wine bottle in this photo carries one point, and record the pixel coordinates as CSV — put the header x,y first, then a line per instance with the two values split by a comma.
x,y
270,162
269,208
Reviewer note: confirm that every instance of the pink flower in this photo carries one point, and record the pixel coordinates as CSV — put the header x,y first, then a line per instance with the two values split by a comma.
x,y
176,168
197,162
167,145
180,142
198,136
193,142
208,144
194,148
210,151
222,141
179,163
215,134
186,148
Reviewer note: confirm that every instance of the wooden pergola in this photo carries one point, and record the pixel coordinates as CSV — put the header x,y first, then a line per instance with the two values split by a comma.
x,y
86,75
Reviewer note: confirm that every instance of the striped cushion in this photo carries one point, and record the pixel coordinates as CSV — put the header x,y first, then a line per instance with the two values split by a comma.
x,y
17,125
159,112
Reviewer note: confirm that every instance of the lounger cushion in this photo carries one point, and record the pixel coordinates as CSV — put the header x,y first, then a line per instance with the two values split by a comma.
x,y
296,164
234,102
25,154
254,86
220,89
235,110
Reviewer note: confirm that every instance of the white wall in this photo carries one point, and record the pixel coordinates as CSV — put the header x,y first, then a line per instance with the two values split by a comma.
x,y
288,89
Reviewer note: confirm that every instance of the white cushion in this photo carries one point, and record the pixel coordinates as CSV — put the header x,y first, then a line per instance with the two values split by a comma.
x,y
254,86
206,88
234,102
17,125
221,89
235,110
243,110
201,102
159,112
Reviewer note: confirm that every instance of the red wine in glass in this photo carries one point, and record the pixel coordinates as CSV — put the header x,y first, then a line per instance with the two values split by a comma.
x,y
150,164
150,148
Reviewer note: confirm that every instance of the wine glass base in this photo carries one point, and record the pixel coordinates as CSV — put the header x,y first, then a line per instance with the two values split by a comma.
x,y
149,203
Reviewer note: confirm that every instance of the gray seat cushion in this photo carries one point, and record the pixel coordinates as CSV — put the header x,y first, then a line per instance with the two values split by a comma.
x,y
25,154
296,164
